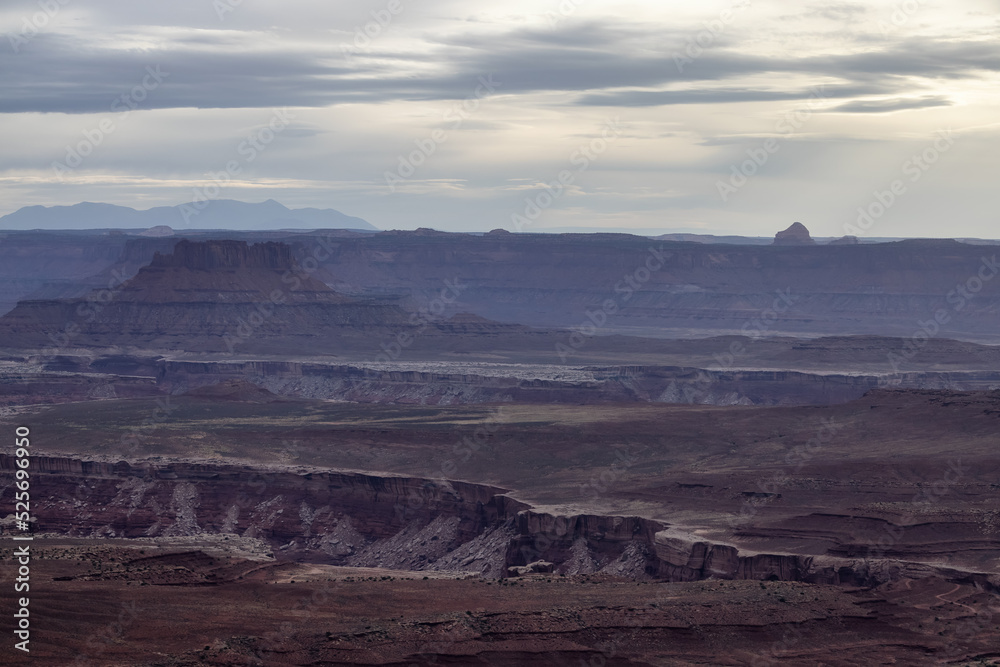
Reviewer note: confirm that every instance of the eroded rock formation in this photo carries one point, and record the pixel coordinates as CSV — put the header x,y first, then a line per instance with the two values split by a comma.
x,y
393,522
796,234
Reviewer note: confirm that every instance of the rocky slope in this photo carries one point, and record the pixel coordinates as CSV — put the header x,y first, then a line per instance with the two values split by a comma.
x,y
402,523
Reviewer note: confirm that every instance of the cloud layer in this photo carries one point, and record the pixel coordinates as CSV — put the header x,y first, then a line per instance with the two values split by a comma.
x,y
457,115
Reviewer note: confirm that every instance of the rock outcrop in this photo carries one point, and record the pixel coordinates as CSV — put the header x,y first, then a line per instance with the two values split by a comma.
x,y
311,515
158,231
211,296
796,234
63,378
449,383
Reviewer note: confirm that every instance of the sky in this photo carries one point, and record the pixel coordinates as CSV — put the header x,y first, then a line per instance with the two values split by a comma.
x,y
866,118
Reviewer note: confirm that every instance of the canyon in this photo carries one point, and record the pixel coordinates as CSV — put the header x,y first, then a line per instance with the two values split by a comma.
x,y
482,451
890,500
222,299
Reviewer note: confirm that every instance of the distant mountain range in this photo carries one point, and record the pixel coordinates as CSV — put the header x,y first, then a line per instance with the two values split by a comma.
x,y
214,214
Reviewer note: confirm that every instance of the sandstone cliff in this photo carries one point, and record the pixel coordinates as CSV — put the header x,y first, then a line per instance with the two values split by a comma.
x,y
391,521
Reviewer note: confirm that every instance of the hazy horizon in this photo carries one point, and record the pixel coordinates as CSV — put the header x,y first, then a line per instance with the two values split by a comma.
x,y
182,228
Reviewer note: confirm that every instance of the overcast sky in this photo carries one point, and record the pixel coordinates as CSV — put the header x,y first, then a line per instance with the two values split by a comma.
x,y
455,115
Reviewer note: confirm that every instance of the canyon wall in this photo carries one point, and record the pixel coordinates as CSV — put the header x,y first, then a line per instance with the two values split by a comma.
x,y
65,378
587,384
394,522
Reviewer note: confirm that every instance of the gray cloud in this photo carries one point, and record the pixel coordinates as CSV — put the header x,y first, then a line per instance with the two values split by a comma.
x,y
838,11
897,104
641,98
355,116
62,73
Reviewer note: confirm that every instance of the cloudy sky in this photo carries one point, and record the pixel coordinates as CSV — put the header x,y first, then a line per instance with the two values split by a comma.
x,y
649,116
